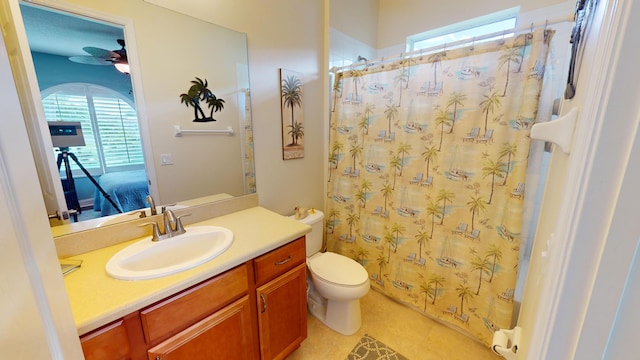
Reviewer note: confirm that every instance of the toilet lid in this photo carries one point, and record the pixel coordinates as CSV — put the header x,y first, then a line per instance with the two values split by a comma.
x,y
338,269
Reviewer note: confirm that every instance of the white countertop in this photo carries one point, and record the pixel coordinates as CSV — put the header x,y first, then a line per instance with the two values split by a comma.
x,y
97,299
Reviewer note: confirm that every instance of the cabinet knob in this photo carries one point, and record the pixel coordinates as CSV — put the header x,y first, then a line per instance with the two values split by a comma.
x,y
264,303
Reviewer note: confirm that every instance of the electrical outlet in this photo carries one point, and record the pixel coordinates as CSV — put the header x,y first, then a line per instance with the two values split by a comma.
x,y
166,159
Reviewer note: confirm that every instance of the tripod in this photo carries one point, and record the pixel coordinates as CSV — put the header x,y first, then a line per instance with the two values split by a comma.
x,y
63,157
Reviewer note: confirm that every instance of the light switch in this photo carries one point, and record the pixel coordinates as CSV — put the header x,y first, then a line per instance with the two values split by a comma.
x,y
166,159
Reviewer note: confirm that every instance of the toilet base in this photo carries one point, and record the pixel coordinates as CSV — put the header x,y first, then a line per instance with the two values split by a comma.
x,y
317,305
341,316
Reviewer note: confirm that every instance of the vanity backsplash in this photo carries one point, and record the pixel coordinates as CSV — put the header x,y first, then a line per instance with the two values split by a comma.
x,y
93,239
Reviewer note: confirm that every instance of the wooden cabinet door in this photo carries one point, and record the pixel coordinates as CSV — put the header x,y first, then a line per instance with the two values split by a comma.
x,y
109,342
226,335
282,314
175,313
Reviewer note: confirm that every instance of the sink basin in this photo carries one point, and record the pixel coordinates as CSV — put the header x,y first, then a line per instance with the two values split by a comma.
x,y
116,219
148,259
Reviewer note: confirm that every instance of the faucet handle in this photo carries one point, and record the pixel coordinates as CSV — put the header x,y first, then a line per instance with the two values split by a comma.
x,y
156,234
141,213
164,207
179,228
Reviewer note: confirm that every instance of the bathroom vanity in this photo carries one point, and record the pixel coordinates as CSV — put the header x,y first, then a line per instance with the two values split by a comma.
x,y
248,303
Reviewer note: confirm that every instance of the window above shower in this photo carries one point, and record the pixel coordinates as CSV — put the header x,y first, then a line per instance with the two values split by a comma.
x,y
347,45
502,22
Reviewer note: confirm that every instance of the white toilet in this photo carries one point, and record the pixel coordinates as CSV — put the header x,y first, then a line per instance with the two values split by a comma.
x,y
337,285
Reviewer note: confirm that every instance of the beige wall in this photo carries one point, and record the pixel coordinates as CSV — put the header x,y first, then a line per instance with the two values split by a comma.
x,y
286,35
356,18
283,34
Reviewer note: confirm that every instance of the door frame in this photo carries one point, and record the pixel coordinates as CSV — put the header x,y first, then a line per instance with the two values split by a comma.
x,y
30,97
573,317
39,321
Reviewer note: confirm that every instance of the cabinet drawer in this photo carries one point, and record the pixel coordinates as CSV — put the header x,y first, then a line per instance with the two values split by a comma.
x,y
108,342
180,311
226,334
279,261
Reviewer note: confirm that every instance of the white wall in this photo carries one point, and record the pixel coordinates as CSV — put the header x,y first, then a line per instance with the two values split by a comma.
x,y
36,317
353,31
585,245
398,19
357,19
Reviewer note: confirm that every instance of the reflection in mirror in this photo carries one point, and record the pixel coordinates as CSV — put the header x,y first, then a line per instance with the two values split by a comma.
x,y
128,121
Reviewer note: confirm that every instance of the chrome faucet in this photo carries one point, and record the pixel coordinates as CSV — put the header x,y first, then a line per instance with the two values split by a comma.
x,y
152,205
172,226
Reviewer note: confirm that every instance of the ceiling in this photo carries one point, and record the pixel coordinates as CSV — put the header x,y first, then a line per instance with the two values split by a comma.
x,y
53,32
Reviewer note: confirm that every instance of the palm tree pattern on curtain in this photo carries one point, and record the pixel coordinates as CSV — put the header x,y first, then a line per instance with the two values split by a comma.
x,y
249,155
427,176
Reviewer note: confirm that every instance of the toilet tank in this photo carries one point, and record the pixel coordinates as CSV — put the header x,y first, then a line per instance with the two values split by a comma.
x,y
314,238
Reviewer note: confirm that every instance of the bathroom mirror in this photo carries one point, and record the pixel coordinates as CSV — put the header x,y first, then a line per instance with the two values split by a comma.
x,y
171,50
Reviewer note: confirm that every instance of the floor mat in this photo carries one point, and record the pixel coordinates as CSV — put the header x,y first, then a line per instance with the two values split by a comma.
x,y
369,348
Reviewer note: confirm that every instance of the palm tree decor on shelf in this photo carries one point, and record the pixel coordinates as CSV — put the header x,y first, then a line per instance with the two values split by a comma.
x,y
199,92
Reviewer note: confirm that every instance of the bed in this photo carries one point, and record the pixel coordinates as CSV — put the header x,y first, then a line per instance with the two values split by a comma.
x,y
127,189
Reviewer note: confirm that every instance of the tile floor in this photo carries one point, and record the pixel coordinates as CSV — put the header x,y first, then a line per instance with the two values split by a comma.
x,y
404,330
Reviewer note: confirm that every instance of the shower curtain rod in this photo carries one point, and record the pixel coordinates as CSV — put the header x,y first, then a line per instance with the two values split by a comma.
x,y
455,44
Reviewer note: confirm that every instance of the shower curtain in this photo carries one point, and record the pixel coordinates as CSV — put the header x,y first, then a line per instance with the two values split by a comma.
x,y
427,164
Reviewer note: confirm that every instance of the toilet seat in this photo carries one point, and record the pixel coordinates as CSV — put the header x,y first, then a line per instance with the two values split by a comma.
x,y
338,270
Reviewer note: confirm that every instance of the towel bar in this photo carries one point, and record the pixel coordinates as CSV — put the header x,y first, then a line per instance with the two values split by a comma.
x,y
179,131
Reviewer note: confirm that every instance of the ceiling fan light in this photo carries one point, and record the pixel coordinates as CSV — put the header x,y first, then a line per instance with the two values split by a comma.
x,y
123,67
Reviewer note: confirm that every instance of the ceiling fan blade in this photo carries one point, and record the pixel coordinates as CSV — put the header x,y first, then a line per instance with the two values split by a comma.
x,y
101,53
90,60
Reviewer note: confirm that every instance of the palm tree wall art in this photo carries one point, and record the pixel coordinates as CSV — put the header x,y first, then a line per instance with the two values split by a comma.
x,y
199,92
451,244
291,95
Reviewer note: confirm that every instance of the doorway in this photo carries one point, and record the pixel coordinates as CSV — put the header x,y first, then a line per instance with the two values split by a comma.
x,y
80,78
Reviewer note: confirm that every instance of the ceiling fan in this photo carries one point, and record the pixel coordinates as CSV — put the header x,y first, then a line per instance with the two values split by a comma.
x,y
98,56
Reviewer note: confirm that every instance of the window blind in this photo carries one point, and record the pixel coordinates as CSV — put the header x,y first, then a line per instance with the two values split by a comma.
x,y
109,125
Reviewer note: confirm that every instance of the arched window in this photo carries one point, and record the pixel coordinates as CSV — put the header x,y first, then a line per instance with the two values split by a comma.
x,y
109,125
